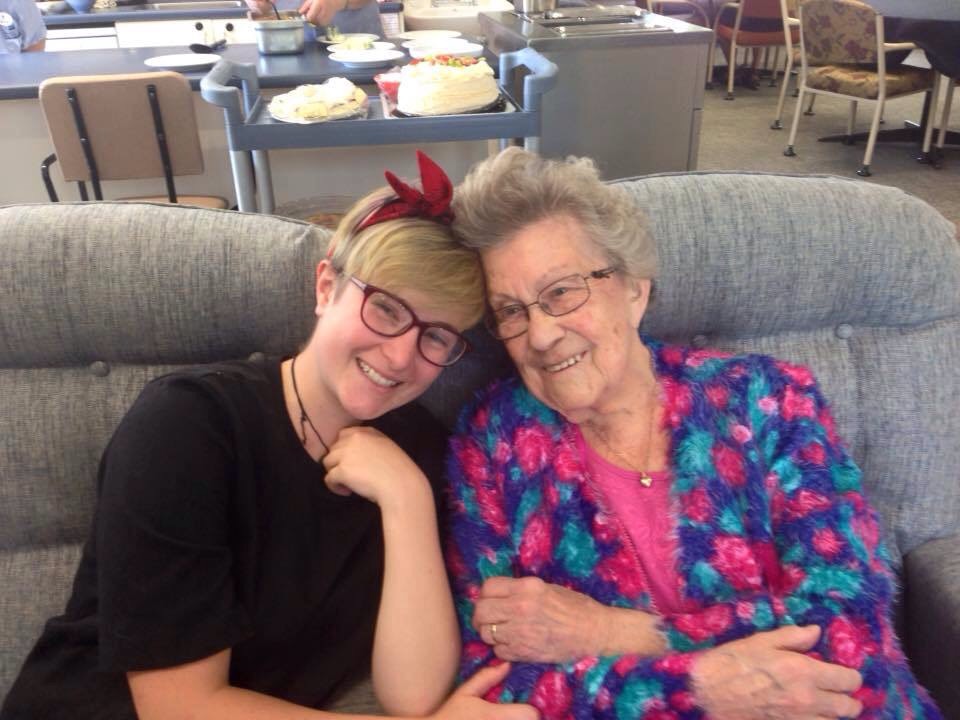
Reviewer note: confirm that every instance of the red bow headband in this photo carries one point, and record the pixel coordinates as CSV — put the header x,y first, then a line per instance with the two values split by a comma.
x,y
432,204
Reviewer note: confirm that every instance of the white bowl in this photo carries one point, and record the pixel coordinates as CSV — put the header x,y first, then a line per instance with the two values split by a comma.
x,y
367,58
344,47
411,44
456,50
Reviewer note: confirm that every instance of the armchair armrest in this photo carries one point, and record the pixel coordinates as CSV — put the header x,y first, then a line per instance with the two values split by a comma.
x,y
931,576
891,47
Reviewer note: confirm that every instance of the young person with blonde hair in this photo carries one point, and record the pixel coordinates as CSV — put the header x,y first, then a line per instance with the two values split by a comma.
x,y
265,530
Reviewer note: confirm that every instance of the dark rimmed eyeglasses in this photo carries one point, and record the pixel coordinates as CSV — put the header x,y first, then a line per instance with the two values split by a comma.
x,y
558,298
389,316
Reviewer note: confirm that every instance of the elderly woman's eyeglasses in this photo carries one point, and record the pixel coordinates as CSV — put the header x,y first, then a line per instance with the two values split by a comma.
x,y
389,316
558,298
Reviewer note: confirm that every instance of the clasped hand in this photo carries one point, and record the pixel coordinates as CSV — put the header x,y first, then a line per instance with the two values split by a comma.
x,y
529,620
366,462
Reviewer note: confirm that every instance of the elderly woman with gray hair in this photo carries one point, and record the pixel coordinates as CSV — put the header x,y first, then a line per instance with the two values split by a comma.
x,y
647,530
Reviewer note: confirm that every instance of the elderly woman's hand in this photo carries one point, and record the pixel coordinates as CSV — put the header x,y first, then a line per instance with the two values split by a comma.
x,y
767,677
529,620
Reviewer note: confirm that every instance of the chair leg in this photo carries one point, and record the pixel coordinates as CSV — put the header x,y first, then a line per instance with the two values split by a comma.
x,y
777,125
45,175
711,54
790,152
851,124
930,119
731,69
809,110
872,140
945,118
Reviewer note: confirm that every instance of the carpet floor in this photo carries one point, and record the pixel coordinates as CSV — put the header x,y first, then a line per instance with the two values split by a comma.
x,y
736,135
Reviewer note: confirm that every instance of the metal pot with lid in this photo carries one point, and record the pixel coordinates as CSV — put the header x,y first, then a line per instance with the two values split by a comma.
x,y
532,7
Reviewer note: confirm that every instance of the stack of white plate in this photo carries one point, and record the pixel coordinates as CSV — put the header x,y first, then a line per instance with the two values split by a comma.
x,y
442,45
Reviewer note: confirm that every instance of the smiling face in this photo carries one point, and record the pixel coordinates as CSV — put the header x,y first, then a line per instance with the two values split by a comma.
x,y
588,362
362,374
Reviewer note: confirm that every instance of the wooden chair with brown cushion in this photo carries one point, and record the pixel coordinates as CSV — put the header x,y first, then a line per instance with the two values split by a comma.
x,y
123,127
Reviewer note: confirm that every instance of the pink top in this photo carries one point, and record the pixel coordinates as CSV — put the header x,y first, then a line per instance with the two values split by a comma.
x,y
645,514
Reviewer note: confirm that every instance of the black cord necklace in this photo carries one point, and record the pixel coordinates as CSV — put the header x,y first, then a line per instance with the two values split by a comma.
x,y
304,418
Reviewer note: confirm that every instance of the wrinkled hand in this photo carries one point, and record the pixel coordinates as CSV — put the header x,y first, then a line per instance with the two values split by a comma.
x,y
466,702
538,621
321,12
366,462
767,677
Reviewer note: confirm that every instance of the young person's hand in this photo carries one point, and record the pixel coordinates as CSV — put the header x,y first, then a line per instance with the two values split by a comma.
x,y
467,703
366,462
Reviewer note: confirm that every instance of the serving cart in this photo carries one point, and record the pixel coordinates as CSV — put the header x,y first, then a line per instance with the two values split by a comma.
x,y
252,132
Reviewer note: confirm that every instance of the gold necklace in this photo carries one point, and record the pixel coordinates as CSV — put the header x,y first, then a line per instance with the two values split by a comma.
x,y
645,479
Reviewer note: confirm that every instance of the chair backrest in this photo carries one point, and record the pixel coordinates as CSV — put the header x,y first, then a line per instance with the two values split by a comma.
x,y
762,9
119,121
839,32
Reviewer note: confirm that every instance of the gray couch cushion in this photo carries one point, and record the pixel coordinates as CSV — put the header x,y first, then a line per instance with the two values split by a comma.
x,y
933,619
135,283
858,281
97,299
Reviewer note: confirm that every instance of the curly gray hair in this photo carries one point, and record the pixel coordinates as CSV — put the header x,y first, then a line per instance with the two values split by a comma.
x,y
506,192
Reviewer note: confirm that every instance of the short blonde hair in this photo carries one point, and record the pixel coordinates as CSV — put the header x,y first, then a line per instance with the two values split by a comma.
x,y
504,193
409,253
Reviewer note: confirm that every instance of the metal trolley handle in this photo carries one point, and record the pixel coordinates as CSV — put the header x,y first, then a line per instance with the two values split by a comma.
x,y
542,78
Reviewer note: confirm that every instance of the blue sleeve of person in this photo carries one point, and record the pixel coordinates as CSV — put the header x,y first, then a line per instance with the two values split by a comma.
x,y
21,25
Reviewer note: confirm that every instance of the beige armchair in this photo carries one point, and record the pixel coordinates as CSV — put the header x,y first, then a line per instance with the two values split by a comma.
x,y
844,40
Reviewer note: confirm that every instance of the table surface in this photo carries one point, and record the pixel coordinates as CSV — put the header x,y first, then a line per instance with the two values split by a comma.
x,y
918,9
22,73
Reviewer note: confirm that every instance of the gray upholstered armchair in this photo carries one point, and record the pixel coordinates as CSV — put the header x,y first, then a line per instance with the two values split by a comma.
x,y
859,281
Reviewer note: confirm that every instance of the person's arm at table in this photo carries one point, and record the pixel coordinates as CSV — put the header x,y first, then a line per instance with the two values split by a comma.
x,y
319,12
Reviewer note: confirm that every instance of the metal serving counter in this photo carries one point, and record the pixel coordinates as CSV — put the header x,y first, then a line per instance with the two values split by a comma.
x,y
251,131
630,85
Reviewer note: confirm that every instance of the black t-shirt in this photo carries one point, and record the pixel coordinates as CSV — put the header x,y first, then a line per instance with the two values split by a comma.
x,y
214,529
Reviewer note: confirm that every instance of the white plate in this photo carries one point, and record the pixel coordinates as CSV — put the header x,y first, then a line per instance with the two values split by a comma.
x,y
186,61
344,36
340,47
366,58
360,112
411,44
459,50
429,34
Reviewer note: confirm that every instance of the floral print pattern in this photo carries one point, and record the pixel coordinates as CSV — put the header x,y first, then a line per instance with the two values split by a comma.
x,y
852,80
771,523
837,33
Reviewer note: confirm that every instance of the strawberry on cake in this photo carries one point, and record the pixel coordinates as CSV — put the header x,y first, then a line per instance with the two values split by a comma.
x,y
445,84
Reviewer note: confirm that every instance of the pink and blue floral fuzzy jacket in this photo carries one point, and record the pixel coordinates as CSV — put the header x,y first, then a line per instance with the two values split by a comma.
x,y
772,529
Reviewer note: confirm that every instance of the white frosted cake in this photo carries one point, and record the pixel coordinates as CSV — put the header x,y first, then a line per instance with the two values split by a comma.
x,y
335,98
445,85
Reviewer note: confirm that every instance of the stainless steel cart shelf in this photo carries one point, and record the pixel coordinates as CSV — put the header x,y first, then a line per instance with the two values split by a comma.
x,y
251,131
